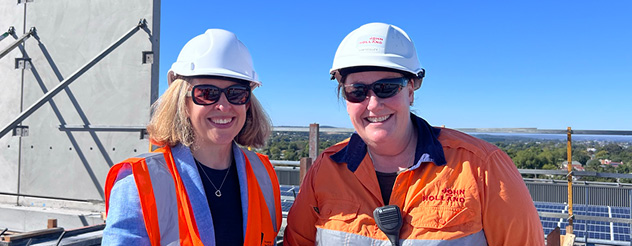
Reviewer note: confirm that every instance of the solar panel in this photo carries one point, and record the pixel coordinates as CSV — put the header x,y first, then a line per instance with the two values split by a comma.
x,y
286,205
289,190
620,212
550,205
288,193
287,187
583,229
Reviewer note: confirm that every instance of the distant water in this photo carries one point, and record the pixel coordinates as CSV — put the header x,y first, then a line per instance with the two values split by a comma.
x,y
561,137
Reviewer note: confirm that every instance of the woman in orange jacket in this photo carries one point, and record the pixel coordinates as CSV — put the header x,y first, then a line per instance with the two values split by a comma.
x,y
200,187
442,187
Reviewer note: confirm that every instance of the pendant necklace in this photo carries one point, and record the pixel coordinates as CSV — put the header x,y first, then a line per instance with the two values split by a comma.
x,y
218,192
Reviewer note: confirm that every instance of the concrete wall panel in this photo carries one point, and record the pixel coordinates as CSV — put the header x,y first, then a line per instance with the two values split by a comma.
x,y
10,94
58,159
20,218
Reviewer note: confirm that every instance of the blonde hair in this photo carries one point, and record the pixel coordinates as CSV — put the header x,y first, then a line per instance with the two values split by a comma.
x,y
170,124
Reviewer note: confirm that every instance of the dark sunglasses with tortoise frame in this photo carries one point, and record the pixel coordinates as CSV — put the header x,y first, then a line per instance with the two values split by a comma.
x,y
210,94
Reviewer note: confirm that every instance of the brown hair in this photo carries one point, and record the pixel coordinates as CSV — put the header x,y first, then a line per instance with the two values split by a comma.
x,y
170,124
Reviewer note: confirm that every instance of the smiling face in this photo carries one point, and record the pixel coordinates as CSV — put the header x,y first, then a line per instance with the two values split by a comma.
x,y
218,123
381,122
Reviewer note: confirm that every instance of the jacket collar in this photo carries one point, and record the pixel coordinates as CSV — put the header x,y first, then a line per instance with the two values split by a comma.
x,y
428,149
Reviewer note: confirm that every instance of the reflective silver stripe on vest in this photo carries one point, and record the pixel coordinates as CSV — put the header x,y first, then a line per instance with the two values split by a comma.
x,y
166,199
265,183
333,237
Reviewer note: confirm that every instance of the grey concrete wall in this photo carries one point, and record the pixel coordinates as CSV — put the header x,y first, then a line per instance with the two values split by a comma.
x,y
10,94
53,163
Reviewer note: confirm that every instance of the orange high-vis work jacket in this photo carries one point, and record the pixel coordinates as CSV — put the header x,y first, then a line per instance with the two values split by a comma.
x,y
460,191
168,205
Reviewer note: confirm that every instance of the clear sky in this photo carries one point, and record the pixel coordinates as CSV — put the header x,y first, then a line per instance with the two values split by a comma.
x,y
545,64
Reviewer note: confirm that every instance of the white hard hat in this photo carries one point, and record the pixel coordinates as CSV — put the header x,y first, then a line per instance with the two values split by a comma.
x,y
378,45
217,52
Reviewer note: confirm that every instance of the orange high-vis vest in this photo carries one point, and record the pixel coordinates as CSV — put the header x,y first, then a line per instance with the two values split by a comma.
x,y
159,183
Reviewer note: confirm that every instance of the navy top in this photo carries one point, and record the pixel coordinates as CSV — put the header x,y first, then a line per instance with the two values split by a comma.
x,y
226,209
386,181
428,149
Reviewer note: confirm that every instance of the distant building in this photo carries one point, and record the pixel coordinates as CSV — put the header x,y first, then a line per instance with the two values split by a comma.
x,y
610,162
576,166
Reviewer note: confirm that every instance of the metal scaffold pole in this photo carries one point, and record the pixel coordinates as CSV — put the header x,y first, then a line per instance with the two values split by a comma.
x,y
569,165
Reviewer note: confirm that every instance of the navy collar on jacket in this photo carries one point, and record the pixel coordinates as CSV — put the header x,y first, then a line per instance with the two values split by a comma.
x,y
429,149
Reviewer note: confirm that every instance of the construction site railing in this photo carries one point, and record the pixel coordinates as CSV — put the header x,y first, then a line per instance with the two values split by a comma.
x,y
545,131
576,173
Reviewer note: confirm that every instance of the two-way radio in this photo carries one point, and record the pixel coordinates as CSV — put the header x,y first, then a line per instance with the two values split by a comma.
x,y
389,220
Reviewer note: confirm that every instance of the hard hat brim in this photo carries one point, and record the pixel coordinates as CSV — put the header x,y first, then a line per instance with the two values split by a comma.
x,y
217,72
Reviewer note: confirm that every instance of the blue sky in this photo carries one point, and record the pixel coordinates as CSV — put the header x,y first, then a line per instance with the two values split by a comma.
x,y
544,64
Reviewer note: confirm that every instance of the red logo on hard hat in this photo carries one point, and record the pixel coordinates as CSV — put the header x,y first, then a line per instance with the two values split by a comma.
x,y
373,40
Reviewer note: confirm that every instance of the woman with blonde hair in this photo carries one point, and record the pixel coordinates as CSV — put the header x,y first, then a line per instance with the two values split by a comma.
x,y
200,187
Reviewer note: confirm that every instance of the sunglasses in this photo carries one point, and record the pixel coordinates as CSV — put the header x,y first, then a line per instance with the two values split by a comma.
x,y
210,94
383,88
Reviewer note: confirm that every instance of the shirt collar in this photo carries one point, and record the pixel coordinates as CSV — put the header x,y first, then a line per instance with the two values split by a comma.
x,y
428,149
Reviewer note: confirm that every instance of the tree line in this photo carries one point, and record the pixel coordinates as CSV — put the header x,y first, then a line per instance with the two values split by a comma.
x,y
551,154
527,153
293,146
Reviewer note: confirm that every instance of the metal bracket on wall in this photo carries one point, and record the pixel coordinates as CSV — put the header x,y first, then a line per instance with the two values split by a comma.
x,y
11,31
22,63
24,1
144,134
21,131
17,42
148,57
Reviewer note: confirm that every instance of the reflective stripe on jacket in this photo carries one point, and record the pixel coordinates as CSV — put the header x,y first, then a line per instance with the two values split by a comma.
x,y
469,193
174,207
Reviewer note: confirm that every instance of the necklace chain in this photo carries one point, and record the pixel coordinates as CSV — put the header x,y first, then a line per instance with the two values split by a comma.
x,y
218,192
410,160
